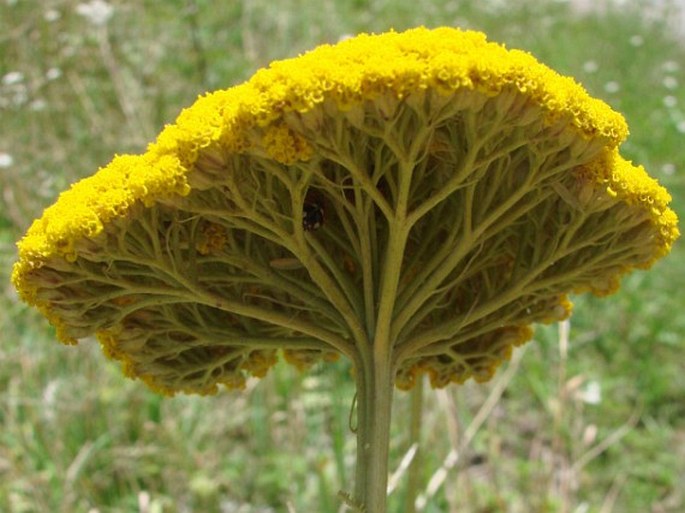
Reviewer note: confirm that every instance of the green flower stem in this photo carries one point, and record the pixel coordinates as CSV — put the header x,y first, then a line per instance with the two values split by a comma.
x,y
376,366
375,385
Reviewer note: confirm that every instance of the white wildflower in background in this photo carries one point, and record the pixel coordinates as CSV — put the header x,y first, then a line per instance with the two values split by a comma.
x,y
637,40
38,104
681,127
590,66
670,101
670,66
97,12
591,393
6,160
583,507
670,82
53,73
612,87
12,78
13,91
51,15
668,169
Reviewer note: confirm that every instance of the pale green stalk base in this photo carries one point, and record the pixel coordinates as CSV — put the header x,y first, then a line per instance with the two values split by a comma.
x,y
375,389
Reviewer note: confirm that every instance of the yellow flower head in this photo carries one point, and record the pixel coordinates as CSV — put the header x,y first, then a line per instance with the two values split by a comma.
x,y
426,192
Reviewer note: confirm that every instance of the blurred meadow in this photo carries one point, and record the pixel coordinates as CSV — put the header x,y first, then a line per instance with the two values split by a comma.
x,y
591,419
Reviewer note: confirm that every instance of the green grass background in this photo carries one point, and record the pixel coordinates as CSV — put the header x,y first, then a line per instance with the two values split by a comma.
x,y
76,436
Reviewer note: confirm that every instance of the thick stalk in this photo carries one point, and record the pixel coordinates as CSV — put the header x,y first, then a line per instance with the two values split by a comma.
x,y
374,405
375,367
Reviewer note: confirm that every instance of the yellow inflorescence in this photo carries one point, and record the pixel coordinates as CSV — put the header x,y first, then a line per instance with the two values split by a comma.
x,y
441,370
351,72
82,211
633,185
285,146
267,120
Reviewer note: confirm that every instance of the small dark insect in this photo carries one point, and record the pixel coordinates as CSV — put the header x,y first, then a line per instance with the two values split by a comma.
x,y
312,215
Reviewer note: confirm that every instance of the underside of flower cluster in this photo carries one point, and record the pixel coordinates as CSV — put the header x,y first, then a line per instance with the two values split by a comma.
x,y
428,188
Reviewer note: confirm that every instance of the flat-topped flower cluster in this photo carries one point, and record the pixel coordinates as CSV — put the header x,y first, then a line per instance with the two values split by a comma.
x,y
462,190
